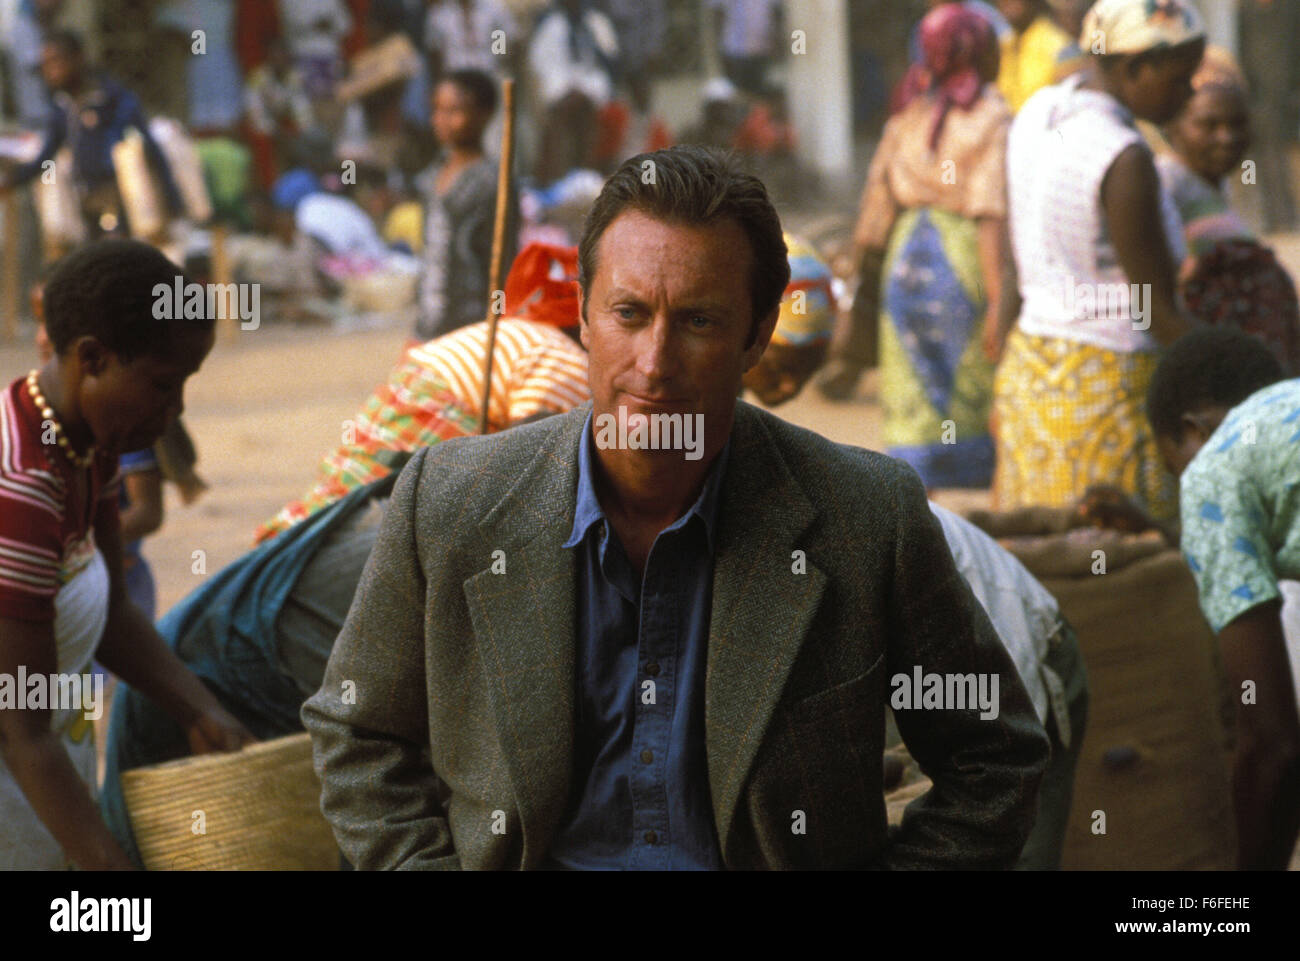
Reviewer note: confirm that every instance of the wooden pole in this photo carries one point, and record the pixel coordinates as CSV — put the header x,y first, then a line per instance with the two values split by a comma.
x,y
498,241
10,276
221,275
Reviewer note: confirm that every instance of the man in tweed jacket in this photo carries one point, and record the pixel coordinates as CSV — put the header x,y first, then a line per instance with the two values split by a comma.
x,y
472,715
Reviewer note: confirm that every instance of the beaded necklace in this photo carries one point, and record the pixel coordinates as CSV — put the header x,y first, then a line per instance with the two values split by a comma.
x,y
78,460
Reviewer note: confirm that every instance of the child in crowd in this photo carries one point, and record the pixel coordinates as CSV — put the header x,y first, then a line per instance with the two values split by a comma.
x,y
460,192
140,505
172,458
114,382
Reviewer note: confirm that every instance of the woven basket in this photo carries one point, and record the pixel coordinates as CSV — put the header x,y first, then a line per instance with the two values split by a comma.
x,y
260,811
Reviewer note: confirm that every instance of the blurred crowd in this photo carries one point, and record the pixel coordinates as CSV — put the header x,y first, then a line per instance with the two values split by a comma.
x,y
348,148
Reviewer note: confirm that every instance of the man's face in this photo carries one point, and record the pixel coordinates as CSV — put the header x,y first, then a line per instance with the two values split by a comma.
x,y
129,403
667,322
1157,89
58,67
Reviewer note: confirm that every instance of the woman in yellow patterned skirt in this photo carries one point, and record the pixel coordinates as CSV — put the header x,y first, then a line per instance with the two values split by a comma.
x,y
1097,244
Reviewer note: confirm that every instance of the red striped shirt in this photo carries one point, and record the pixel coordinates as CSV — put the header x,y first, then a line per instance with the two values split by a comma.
x,y
41,540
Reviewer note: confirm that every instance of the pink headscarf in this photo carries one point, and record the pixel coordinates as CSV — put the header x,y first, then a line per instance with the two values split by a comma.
x,y
958,48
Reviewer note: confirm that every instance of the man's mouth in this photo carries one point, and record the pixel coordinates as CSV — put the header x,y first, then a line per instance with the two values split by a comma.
x,y
642,401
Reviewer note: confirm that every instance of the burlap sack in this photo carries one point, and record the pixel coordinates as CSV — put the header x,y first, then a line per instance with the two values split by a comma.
x,y
1151,789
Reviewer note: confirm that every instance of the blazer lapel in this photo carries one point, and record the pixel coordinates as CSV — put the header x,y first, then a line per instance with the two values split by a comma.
x,y
762,609
523,620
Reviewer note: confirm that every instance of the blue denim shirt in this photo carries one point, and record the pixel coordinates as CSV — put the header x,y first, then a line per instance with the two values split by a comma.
x,y
640,794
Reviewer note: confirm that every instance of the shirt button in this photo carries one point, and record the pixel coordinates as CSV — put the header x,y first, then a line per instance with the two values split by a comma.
x,y
652,669
647,756
651,837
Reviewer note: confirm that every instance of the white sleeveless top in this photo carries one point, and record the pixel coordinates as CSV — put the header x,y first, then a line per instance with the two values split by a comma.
x,y
1061,144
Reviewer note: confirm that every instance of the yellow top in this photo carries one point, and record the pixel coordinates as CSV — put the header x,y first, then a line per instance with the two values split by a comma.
x,y
405,222
1032,60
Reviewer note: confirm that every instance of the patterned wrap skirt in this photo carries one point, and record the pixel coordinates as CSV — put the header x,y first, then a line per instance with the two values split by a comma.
x,y
936,386
1070,415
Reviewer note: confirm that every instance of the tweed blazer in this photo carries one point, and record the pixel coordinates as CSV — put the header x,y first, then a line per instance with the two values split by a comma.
x,y
443,730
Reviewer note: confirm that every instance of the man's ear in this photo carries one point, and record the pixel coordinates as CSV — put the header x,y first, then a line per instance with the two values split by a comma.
x,y
762,337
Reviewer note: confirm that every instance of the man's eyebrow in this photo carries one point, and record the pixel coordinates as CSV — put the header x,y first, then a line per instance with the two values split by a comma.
x,y
704,303
622,293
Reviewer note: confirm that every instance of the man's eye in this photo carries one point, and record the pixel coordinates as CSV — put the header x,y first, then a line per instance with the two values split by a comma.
x,y
625,313
700,322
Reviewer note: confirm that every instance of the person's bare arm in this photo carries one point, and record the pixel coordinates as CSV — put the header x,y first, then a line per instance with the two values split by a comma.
x,y
854,336
1011,299
866,301
132,649
1266,766
145,515
990,243
40,763
1108,506
1130,200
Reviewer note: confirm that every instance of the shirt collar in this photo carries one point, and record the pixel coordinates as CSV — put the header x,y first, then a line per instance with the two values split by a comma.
x,y
588,510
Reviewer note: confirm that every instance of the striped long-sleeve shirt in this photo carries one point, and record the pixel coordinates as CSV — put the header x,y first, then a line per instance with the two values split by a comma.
x,y
434,395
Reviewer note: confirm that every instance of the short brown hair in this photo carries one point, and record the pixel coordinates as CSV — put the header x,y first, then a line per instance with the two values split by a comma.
x,y
694,186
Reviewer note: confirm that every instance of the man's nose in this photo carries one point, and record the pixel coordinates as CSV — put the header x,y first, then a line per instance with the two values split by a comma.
x,y
656,348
